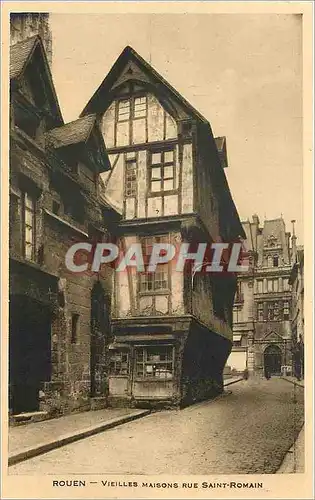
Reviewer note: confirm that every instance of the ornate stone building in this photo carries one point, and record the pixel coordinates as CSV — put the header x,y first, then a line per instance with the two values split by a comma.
x,y
262,336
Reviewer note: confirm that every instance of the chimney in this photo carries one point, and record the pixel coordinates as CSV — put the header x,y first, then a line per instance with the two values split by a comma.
x,y
255,220
293,242
27,24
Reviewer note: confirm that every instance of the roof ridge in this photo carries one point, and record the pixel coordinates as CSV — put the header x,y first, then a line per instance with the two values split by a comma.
x,y
128,50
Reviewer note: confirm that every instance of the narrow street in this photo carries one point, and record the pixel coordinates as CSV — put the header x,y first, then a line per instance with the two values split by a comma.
x,y
247,430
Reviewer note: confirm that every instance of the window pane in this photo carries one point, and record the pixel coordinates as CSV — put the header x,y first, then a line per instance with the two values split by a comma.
x,y
168,173
131,155
131,178
29,202
140,107
156,173
168,185
29,217
156,158
169,157
124,110
28,251
156,186
28,234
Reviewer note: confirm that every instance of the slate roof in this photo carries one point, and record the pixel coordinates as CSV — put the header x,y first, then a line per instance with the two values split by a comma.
x,y
20,54
75,132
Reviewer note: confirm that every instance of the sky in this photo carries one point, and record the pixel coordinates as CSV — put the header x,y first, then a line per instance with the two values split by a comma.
x,y
243,72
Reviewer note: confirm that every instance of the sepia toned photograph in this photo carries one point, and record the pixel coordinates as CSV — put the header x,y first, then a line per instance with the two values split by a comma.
x,y
156,233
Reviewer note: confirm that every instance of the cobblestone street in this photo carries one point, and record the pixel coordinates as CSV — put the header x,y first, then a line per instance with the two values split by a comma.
x,y
247,430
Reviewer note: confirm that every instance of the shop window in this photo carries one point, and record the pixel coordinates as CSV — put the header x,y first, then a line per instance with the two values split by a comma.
x,y
119,363
155,362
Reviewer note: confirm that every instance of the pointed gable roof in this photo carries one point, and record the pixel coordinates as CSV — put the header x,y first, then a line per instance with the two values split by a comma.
x,y
98,101
74,132
21,54
104,95
79,132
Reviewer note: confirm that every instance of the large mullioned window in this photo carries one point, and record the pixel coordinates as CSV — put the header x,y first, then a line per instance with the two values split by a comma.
x,y
162,171
158,280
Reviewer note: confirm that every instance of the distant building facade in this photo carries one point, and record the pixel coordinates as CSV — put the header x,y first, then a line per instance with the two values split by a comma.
x,y
262,335
297,312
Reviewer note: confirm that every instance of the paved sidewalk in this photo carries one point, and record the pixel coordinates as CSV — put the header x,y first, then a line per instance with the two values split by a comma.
x,y
30,440
294,460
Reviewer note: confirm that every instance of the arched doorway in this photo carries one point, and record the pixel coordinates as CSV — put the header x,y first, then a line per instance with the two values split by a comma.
x,y
272,359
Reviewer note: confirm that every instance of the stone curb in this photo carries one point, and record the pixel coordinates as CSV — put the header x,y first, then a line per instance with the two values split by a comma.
x,y
233,381
293,382
70,438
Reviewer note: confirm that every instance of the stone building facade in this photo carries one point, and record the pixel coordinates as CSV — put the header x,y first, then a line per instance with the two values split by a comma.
x,y
171,330
262,336
58,321
297,311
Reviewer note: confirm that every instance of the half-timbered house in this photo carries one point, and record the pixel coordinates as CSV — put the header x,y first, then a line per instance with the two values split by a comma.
x,y
171,330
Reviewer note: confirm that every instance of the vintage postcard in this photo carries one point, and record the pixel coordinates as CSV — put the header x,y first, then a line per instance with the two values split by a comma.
x,y
157,251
